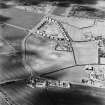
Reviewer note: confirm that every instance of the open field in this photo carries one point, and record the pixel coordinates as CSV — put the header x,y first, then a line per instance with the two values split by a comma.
x,y
73,74
22,18
13,36
86,52
75,21
11,68
59,11
41,57
77,95
21,94
11,33
76,27
73,32
97,29
45,57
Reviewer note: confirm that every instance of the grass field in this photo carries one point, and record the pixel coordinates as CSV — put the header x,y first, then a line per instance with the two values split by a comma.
x,y
11,68
44,57
74,74
86,52
59,11
11,33
22,18
20,93
76,95
97,29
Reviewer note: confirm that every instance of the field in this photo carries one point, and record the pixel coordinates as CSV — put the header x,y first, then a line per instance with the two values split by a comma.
x,y
80,95
11,33
73,74
45,58
59,11
86,52
42,58
22,18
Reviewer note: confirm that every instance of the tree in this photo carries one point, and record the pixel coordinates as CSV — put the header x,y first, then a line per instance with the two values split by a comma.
x,y
4,6
4,19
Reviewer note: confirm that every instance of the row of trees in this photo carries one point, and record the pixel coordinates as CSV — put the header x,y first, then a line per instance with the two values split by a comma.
x,y
3,19
4,6
36,2
60,1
